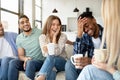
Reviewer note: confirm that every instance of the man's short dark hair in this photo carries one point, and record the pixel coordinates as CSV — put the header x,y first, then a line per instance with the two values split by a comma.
x,y
23,16
86,14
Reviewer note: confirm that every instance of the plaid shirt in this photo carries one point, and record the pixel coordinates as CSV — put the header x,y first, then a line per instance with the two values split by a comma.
x,y
83,45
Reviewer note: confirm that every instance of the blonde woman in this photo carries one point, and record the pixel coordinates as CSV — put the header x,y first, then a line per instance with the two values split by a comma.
x,y
109,70
52,43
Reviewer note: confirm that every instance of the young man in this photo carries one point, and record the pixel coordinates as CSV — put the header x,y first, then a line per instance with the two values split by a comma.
x,y
87,28
29,52
8,51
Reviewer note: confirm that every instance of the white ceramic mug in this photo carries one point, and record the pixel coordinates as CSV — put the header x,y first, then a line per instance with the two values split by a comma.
x,y
50,47
74,57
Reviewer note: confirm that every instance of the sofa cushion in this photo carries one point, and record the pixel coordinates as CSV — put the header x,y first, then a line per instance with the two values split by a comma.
x,y
69,50
22,76
60,75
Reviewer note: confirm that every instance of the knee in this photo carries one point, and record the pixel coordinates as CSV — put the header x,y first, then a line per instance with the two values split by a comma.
x,y
5,57
5,60
90,68
50,58
30,65
13,63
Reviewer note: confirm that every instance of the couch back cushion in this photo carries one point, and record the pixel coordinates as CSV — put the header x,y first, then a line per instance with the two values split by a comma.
x,y
69,50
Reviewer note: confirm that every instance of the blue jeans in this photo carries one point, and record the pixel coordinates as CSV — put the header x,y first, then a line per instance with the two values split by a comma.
x,y
71,73
4,67
50,63
0,61
16,65
0,66
90,72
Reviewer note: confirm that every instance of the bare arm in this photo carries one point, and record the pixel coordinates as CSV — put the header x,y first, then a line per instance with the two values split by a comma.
x,y
69,42
21,55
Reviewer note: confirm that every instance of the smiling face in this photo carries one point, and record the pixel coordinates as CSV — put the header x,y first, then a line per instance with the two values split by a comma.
x,y
54,26
89,27
24,24
1,30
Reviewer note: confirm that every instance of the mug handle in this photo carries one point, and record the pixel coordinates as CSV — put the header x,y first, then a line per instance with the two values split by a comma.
x,y
72,59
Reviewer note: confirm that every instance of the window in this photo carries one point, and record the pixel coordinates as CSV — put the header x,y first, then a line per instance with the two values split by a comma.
x,y
32,8
11,21
10,5
9,13
10,10
38,13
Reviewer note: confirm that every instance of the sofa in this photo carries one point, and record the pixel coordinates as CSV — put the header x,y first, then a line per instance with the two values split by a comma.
x,y
69,50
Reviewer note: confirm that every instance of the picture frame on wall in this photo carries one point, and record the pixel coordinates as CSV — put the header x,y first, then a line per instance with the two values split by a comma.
x,y
64,28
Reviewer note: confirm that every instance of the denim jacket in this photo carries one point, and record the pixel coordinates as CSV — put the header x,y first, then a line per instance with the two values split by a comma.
x,y
83,45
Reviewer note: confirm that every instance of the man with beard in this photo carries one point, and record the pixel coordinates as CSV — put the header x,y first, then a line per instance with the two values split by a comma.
x,y
29,52
8,51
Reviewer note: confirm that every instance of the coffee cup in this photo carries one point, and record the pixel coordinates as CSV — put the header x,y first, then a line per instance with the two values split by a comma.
x,y
100,55
74,57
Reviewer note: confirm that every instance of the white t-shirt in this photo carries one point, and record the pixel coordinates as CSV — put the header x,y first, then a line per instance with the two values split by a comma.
x,y
5,48
96,42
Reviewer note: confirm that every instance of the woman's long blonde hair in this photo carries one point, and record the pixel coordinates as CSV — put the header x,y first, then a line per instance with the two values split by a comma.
x,y
111,19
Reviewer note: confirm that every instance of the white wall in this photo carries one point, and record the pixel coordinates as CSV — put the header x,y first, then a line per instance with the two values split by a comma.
x,y
65,8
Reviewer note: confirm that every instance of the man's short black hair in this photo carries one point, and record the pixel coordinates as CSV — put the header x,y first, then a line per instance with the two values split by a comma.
x,y
23,16
86,14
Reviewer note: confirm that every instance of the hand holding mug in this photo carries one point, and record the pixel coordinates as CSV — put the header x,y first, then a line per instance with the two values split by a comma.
x,y
76,60
85,61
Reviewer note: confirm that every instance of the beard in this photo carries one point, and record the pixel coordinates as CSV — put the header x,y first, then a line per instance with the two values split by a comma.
x,y
2,33
27,30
